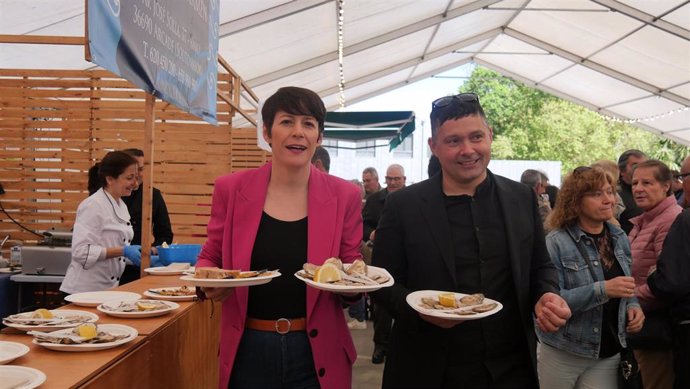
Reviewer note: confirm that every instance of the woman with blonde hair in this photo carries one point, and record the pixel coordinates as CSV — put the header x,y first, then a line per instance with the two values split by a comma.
x,y
593,261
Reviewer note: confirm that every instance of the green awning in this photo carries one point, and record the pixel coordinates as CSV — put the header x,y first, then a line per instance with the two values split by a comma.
x,y
359,126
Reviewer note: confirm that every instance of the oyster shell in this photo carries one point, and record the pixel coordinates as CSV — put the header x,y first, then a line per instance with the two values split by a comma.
x,y
310,268
473,299
357,267
336,261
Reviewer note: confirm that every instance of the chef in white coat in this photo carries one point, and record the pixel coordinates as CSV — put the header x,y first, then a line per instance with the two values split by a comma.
x,y
102,230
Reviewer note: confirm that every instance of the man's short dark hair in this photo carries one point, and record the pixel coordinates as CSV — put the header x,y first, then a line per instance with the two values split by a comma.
x,y
321,154
456,109
623,159
134,152
295,101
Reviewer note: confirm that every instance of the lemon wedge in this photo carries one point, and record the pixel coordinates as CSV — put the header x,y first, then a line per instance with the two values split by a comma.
x,y
87,331
145,306
43,313
327,273
447,300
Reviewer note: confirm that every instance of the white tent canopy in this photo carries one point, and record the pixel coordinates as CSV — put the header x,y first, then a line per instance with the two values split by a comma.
x,y
628,59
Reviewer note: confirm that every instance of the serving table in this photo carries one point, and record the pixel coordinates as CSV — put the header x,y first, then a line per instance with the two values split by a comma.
x,y
177,350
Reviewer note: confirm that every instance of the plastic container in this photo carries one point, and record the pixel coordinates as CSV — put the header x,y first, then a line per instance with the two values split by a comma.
x,y
179,253
16,256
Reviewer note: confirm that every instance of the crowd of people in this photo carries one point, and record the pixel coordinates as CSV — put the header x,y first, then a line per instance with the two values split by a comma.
x,y
585,272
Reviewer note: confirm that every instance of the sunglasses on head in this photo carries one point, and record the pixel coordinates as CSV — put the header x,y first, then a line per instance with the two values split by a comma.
x,y
462,97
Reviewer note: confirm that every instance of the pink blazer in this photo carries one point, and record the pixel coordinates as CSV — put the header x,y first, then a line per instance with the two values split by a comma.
x,y
646,240
334,229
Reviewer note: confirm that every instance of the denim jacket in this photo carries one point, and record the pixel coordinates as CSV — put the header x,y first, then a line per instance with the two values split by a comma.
x,y
581,334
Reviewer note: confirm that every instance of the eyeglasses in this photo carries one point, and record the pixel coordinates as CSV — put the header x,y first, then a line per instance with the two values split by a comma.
x,y
462,97
393,178
681,177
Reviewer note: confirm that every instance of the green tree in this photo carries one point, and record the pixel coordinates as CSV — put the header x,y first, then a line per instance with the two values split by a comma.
x,y
532,125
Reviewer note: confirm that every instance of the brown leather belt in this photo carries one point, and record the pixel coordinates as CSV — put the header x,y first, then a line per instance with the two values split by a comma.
x,y
281,326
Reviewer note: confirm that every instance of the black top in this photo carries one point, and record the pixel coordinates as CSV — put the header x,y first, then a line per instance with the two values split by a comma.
x,y
671,279
610,345
483,266
373,207
631,209
162,231
279,245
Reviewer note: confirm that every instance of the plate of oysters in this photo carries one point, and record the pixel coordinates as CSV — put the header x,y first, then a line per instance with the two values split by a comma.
x,y
86,337
49,320
214,277
334,276
137,308
453,306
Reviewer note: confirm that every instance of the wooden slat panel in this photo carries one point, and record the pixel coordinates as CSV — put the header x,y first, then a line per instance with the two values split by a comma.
x,y
58,110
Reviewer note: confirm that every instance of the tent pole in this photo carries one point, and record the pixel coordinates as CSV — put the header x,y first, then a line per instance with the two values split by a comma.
x,y
147,190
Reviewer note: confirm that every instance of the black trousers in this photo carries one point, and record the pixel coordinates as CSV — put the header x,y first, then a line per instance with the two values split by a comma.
x,y
130,274
382,327
681,356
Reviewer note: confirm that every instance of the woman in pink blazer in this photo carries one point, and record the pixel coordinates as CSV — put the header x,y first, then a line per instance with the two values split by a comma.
x,y
279,216
651,188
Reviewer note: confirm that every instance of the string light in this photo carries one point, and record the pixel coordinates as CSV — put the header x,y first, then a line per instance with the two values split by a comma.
x,y
644,119
341,22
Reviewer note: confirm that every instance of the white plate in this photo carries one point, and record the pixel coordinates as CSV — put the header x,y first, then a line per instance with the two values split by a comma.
x,y
57,313
414,299
7,270
229,283
371,271
94,299
115,329
18,374
138,314
165,271
9,351
151,294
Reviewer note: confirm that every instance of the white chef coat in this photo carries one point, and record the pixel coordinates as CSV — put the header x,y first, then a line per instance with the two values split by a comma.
x,y
101,222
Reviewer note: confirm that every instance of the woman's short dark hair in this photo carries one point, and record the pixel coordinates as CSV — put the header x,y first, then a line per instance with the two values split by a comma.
x,y
662,173
112,165
295,101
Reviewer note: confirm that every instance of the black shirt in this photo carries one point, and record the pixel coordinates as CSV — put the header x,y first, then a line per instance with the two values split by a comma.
x,y
483,266
610,345
279,245
631,209
162,231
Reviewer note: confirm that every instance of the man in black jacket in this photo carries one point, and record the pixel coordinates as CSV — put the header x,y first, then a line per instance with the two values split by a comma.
x,y
395,180
162,231
465,230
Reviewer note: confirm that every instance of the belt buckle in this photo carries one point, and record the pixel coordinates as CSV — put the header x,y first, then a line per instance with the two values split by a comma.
x,y
284,320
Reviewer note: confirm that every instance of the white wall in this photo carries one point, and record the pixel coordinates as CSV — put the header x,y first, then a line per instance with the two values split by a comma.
x,y
349,166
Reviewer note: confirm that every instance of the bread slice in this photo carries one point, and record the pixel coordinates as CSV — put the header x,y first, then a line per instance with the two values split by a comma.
x,y
215,273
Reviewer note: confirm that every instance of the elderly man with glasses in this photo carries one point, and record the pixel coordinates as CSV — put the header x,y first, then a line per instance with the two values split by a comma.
x,y
465,230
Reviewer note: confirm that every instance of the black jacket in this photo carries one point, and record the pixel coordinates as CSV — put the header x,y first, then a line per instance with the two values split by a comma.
x,y
671,280
162,231
372,212
413,242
